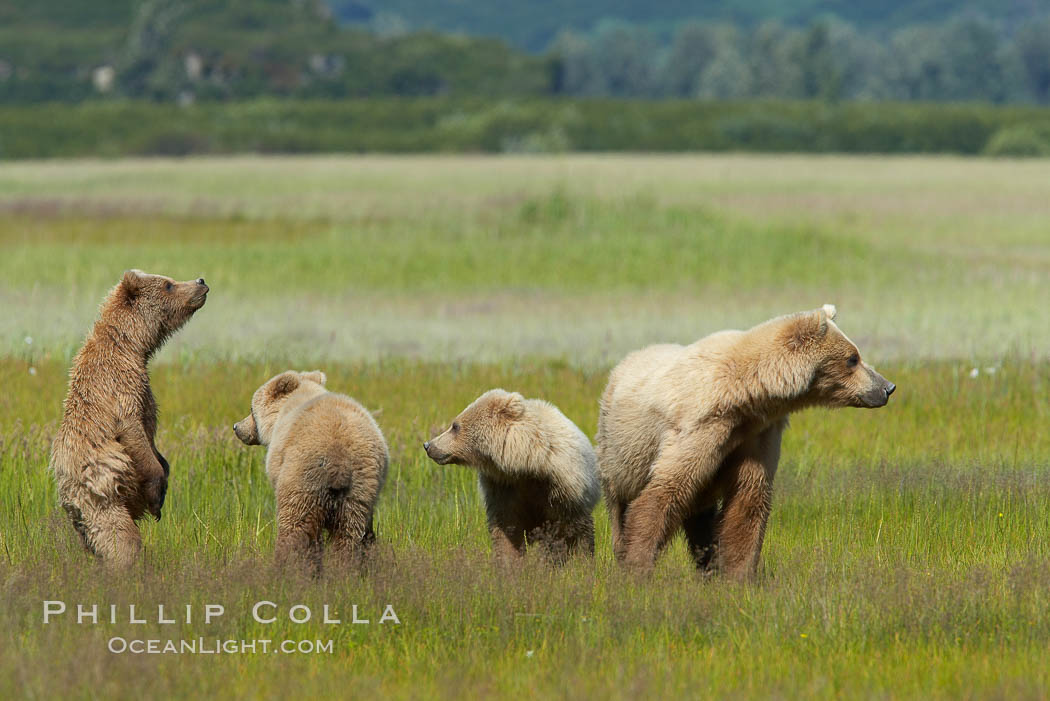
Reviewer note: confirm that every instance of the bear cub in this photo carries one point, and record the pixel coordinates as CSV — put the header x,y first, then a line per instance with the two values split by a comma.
x,y
326,459
104,459
536,470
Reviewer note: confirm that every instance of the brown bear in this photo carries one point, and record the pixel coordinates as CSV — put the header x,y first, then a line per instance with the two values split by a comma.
x,y
326,459
536,470
104,459
689,436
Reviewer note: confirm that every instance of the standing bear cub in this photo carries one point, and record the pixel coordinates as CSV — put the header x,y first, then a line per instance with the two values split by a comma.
x,y
326,459
536,470
104,459
682,428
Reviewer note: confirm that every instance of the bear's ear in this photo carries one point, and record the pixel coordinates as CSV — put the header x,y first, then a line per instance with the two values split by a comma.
x,y
808,327
512,406
315,376
132,282
283,384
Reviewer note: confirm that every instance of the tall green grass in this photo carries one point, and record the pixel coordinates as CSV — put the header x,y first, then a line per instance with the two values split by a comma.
x,y
485,260
903,555
554,242
908,555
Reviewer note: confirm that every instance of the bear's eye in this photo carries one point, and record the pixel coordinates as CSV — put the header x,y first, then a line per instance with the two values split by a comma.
x,y
853,360
455,427
168,287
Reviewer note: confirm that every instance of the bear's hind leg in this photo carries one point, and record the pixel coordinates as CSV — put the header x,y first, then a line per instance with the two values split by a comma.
x,y
350,531
700,528
79,525
300,524
111,534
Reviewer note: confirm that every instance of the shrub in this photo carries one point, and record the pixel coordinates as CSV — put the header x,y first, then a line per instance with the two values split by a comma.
x,y
1020,140
457,124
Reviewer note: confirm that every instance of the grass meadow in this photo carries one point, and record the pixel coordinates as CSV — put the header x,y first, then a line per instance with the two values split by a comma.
x,y
908,554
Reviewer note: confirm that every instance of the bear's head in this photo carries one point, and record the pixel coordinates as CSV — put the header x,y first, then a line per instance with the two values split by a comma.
x,y
290,388
149,308
826,366
476,436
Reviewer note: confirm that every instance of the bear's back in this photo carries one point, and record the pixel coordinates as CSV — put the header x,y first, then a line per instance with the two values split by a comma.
x,y
643,368
325,429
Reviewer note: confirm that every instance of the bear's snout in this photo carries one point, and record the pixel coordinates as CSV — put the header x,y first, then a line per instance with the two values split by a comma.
x,y
246,431
435,453
879,393
198,294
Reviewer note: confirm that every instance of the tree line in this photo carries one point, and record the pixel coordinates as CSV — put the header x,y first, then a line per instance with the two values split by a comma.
x,y
968,58
206,50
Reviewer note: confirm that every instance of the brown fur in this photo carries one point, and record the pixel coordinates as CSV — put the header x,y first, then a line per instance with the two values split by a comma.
x,y
689,436
536,470
104,458
326,459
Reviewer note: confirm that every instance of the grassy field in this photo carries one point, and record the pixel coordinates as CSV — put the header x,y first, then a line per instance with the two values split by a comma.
x,y
908,554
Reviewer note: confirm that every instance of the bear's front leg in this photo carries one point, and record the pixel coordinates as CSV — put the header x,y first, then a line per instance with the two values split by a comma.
x,y
151,472
503,513
580,539
617,522
508,543
681,470
747,503
163,462
156,489
565,536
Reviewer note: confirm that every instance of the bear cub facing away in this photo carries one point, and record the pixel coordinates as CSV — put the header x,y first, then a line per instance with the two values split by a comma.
x,y
536,470
326,459
689,436
105,461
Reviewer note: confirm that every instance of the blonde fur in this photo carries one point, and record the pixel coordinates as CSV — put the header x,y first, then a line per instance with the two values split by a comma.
x,y
326,460
682,429
536,470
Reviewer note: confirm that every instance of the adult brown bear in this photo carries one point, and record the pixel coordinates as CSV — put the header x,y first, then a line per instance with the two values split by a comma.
x,y
682,429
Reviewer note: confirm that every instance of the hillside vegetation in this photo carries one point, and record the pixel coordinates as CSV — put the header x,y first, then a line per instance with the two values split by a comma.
x,y
194,50
533,24
536,125
205,49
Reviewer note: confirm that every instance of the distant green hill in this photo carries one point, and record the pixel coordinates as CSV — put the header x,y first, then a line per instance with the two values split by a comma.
x,y
47,47
222,49
204,50
532,24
